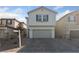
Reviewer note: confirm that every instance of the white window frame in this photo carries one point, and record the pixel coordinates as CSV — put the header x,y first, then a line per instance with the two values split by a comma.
x,y
71,18
46,19
42,17
9,21
38,20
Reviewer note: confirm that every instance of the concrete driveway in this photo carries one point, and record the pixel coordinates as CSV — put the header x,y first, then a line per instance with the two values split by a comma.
x,y
50,45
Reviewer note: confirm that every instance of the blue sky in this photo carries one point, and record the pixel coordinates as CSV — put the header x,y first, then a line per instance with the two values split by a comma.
x,y
21,11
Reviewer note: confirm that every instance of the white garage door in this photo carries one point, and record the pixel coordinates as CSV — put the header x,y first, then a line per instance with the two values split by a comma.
x,y
42,33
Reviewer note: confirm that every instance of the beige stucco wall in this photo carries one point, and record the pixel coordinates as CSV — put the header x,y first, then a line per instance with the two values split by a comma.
x,y
25,26
59,30
14,23
63,27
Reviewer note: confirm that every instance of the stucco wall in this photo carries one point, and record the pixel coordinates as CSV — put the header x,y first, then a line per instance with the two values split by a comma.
x,y
51,20
15,24
64,27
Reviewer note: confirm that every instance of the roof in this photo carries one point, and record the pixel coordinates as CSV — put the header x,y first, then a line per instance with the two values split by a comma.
x,y
42,7
23,23
10,19
67,14
6,15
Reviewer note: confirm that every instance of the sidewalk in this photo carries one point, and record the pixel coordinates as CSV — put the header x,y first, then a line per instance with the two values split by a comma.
x,y
14,50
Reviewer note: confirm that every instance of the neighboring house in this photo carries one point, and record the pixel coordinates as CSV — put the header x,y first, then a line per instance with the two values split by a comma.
x,y
24,25
9,31
68,26
23,28
8,25
41,23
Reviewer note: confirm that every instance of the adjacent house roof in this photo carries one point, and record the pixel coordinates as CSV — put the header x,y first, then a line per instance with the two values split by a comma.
x,y
67,14
12,16
23,23
42,7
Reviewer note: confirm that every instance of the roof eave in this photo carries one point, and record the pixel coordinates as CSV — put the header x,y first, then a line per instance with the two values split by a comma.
x,y
42,7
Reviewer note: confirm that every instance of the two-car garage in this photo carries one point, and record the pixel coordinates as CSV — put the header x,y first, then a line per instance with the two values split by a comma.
x,y
43,33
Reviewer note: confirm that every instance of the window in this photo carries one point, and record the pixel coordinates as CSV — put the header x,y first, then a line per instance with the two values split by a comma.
x,y
77,19
45,17
8,21
38,17
42,18
0,21
71,19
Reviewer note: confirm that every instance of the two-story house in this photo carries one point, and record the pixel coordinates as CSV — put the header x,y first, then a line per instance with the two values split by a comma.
x,y
9,33
41,23
68,26
8,25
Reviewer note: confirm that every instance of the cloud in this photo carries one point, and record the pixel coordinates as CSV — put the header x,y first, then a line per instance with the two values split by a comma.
x,y
62,14
58,7
19,17
19,11
20,14
8,15
4,9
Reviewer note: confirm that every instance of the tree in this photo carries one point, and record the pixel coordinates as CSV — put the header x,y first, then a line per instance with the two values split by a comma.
x,y
20,29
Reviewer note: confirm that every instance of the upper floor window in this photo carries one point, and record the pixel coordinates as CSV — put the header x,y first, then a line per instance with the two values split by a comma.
x,y
38,17
42,18
8,21
0,21
45,17
71,19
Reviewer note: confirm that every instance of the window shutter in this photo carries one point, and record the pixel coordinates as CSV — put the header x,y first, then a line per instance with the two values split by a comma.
x,y
6,22
39,18
36,17
47,17
10,21
0,21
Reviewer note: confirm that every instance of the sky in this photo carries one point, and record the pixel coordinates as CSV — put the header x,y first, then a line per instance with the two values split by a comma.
x,y
21,11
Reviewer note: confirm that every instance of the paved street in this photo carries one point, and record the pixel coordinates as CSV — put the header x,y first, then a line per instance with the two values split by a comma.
x,y
51,45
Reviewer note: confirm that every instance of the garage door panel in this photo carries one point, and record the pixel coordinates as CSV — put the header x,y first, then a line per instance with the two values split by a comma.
x,y
74,34
42,33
